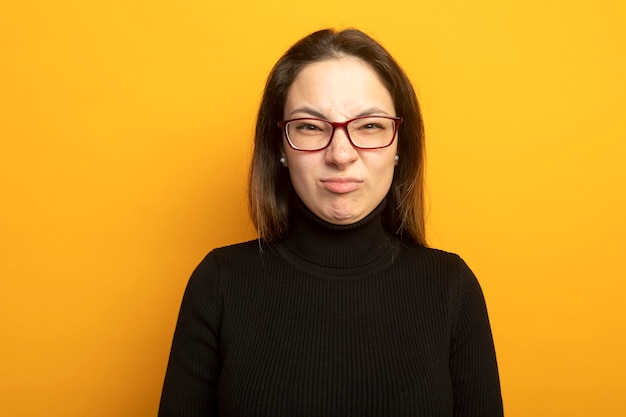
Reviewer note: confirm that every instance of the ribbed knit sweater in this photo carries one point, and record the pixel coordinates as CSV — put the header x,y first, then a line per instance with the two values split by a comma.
x,y
332,321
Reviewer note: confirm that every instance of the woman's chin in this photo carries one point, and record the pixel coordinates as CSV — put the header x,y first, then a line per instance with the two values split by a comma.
x,y
342,217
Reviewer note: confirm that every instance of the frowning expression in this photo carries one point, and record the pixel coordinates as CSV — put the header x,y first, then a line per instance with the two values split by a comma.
x,y
340,184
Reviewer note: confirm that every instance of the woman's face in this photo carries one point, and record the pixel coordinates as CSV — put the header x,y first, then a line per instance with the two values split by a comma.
x,y
340,184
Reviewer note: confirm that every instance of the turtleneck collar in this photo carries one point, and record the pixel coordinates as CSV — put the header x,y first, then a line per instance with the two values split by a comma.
x,y
338,249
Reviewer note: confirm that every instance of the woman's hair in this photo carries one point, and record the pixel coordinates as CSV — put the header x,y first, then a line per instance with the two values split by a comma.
x,y
269,183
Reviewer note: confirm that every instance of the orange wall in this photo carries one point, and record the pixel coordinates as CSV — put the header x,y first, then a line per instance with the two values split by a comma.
x,y
125,133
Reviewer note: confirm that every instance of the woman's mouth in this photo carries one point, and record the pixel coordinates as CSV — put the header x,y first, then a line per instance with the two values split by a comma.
x,y
341,185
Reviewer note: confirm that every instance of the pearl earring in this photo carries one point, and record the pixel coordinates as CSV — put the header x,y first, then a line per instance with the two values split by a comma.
x,y
282,160
397,158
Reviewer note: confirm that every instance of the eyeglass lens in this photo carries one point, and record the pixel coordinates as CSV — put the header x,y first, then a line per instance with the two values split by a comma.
x,y
367,132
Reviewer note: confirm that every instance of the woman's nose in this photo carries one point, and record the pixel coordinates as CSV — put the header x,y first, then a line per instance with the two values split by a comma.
x,y
340,151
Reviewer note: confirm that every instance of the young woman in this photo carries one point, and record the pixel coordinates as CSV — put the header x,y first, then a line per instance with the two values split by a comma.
x,y
339,308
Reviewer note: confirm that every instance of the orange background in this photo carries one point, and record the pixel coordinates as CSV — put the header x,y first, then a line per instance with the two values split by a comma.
x,y
125,132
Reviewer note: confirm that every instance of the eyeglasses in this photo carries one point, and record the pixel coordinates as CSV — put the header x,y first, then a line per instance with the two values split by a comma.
x,y
367,132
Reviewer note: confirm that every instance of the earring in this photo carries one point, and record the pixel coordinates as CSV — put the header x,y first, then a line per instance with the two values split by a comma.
x,y
397,158
282,161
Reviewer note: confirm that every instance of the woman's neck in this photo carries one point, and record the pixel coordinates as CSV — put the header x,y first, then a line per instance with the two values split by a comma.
x,y
336,246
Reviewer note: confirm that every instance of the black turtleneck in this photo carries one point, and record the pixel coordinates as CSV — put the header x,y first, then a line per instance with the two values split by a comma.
x,y
337,250
332,321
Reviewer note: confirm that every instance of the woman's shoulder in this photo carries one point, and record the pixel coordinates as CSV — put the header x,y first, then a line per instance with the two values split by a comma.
x,y
223,261
250,255
438,263
231,255
431,255
248,248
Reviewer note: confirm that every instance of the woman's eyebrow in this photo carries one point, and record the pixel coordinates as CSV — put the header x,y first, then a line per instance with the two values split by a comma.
x,y
309,111
372,111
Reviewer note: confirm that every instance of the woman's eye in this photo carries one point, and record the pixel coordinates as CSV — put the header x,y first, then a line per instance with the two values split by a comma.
x,y
306,126
309,128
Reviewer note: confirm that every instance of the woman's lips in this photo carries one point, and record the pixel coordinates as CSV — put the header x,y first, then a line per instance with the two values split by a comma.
x,y
341,185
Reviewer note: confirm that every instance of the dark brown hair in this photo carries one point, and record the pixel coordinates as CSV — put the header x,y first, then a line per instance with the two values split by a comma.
x,y
269,182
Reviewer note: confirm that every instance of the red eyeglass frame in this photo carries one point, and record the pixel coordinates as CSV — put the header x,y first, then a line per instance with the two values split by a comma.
x,y
340,125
